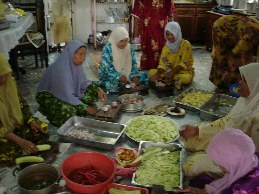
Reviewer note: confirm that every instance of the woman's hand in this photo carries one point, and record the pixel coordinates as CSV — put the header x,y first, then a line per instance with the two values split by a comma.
x,y
102,95
189,131
135,80
192,190
154,77
169,77
26,145
91,110
123,79
35,126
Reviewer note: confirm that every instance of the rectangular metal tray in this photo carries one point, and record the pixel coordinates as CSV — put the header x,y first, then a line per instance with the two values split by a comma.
x,y
104,135
218,106
188,106
170,146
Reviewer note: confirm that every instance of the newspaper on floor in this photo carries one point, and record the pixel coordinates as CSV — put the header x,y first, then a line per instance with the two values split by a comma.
x,y
36,38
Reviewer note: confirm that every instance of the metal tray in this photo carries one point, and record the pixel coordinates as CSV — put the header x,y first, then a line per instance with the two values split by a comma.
x,y
170,147
218,106
104,135
179,98
132,107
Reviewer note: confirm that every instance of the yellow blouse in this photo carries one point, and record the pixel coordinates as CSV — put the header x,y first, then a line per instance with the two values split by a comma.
x,y
183,57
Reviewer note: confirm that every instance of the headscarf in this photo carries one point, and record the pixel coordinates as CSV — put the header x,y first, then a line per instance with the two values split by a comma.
x,y
10,109
233,150
246,108
175,29
122,60
63,79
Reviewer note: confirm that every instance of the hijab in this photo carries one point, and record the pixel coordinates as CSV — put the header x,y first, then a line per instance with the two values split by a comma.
x,y
175,29
10,110
63,79
122,60
245,108
233,150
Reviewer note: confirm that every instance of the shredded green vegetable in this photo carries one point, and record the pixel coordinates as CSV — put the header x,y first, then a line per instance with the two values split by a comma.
x,y
159,169
152,128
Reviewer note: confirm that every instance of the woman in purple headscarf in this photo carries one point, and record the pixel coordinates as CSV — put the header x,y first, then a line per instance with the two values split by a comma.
x,y
64,90
234,152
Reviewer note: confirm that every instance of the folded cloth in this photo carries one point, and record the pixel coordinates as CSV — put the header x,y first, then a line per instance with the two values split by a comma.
x,y
12,17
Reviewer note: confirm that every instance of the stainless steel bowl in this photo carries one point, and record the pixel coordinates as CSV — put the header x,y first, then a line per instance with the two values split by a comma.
x,y
132,107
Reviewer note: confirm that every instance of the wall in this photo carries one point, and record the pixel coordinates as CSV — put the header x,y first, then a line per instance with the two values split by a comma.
x,y
81,19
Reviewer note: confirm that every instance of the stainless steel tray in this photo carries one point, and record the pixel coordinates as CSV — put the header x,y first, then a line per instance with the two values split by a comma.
x,y
103,134
218,106
171,147
178,99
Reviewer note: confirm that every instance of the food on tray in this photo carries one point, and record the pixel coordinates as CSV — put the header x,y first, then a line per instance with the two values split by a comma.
x,y
152,128
80,134
133,100
197,98
87,175
120,191
159,169
125,154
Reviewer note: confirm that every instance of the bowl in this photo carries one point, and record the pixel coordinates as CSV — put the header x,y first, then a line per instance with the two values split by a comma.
x,y
125,155
131,102
81,160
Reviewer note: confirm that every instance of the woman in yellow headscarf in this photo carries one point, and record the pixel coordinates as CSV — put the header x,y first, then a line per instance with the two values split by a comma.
x,y
18,129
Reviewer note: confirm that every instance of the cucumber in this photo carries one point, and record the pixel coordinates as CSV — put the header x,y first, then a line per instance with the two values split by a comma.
x,y
43,147
24,159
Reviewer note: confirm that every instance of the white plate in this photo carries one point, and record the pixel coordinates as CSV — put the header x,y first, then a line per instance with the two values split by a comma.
x,y
170,112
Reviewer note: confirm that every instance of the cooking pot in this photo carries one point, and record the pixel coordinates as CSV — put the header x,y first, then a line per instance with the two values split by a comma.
x,y
38,179
227,3
251,7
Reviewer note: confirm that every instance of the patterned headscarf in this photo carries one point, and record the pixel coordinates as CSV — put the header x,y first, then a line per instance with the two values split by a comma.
x,y
175,29
122,60
65,80
246,107
233,150
10,110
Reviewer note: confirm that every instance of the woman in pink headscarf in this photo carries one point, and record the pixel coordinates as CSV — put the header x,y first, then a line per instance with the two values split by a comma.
x,y
234,152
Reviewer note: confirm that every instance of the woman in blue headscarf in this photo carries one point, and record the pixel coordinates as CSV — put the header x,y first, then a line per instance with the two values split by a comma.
x,y
64,90
176,60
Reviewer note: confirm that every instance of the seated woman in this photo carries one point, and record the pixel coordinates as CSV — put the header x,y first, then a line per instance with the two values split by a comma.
x,y
119,65
233,152
244,116
18,129
64,90
176,60
235,43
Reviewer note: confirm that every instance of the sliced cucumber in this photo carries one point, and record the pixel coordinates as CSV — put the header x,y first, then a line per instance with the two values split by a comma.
x,y
43,147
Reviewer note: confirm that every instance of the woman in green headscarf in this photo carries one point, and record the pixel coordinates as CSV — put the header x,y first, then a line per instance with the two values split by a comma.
x,y
18,129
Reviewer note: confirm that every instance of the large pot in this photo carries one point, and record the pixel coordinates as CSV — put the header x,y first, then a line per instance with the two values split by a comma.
x,y
38,179
227,3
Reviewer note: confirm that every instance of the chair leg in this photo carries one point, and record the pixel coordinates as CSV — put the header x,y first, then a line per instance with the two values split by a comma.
x,y
41,60
36,60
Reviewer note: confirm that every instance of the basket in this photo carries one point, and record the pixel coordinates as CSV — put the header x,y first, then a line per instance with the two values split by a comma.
x,y
82,159
96,58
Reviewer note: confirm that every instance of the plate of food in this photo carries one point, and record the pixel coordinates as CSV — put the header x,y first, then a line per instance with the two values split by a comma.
x,y
152,128
125,155
175,111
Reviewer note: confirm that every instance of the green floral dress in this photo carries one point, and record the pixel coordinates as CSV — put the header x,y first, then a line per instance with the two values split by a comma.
x,y
58,111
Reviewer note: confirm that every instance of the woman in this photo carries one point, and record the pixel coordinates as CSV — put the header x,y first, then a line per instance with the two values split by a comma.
x,y
244,116
234,152
153,16
176,60
119,65
235,42
18,129
64,90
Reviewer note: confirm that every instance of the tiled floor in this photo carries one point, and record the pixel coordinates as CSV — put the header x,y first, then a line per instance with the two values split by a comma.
x,y
29,81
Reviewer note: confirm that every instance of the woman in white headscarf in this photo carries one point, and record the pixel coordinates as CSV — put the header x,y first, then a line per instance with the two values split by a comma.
x,y
176,60
119,65
244,116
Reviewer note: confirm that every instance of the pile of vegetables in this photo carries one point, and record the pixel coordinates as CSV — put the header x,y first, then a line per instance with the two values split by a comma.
x,y
152,128
196,99
159,169
87,175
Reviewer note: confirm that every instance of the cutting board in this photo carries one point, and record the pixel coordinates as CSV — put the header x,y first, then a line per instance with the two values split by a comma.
x,y
167,90
111,115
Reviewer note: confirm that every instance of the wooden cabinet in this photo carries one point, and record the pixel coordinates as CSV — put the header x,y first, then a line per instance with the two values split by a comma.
x,y
212,17
192,18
